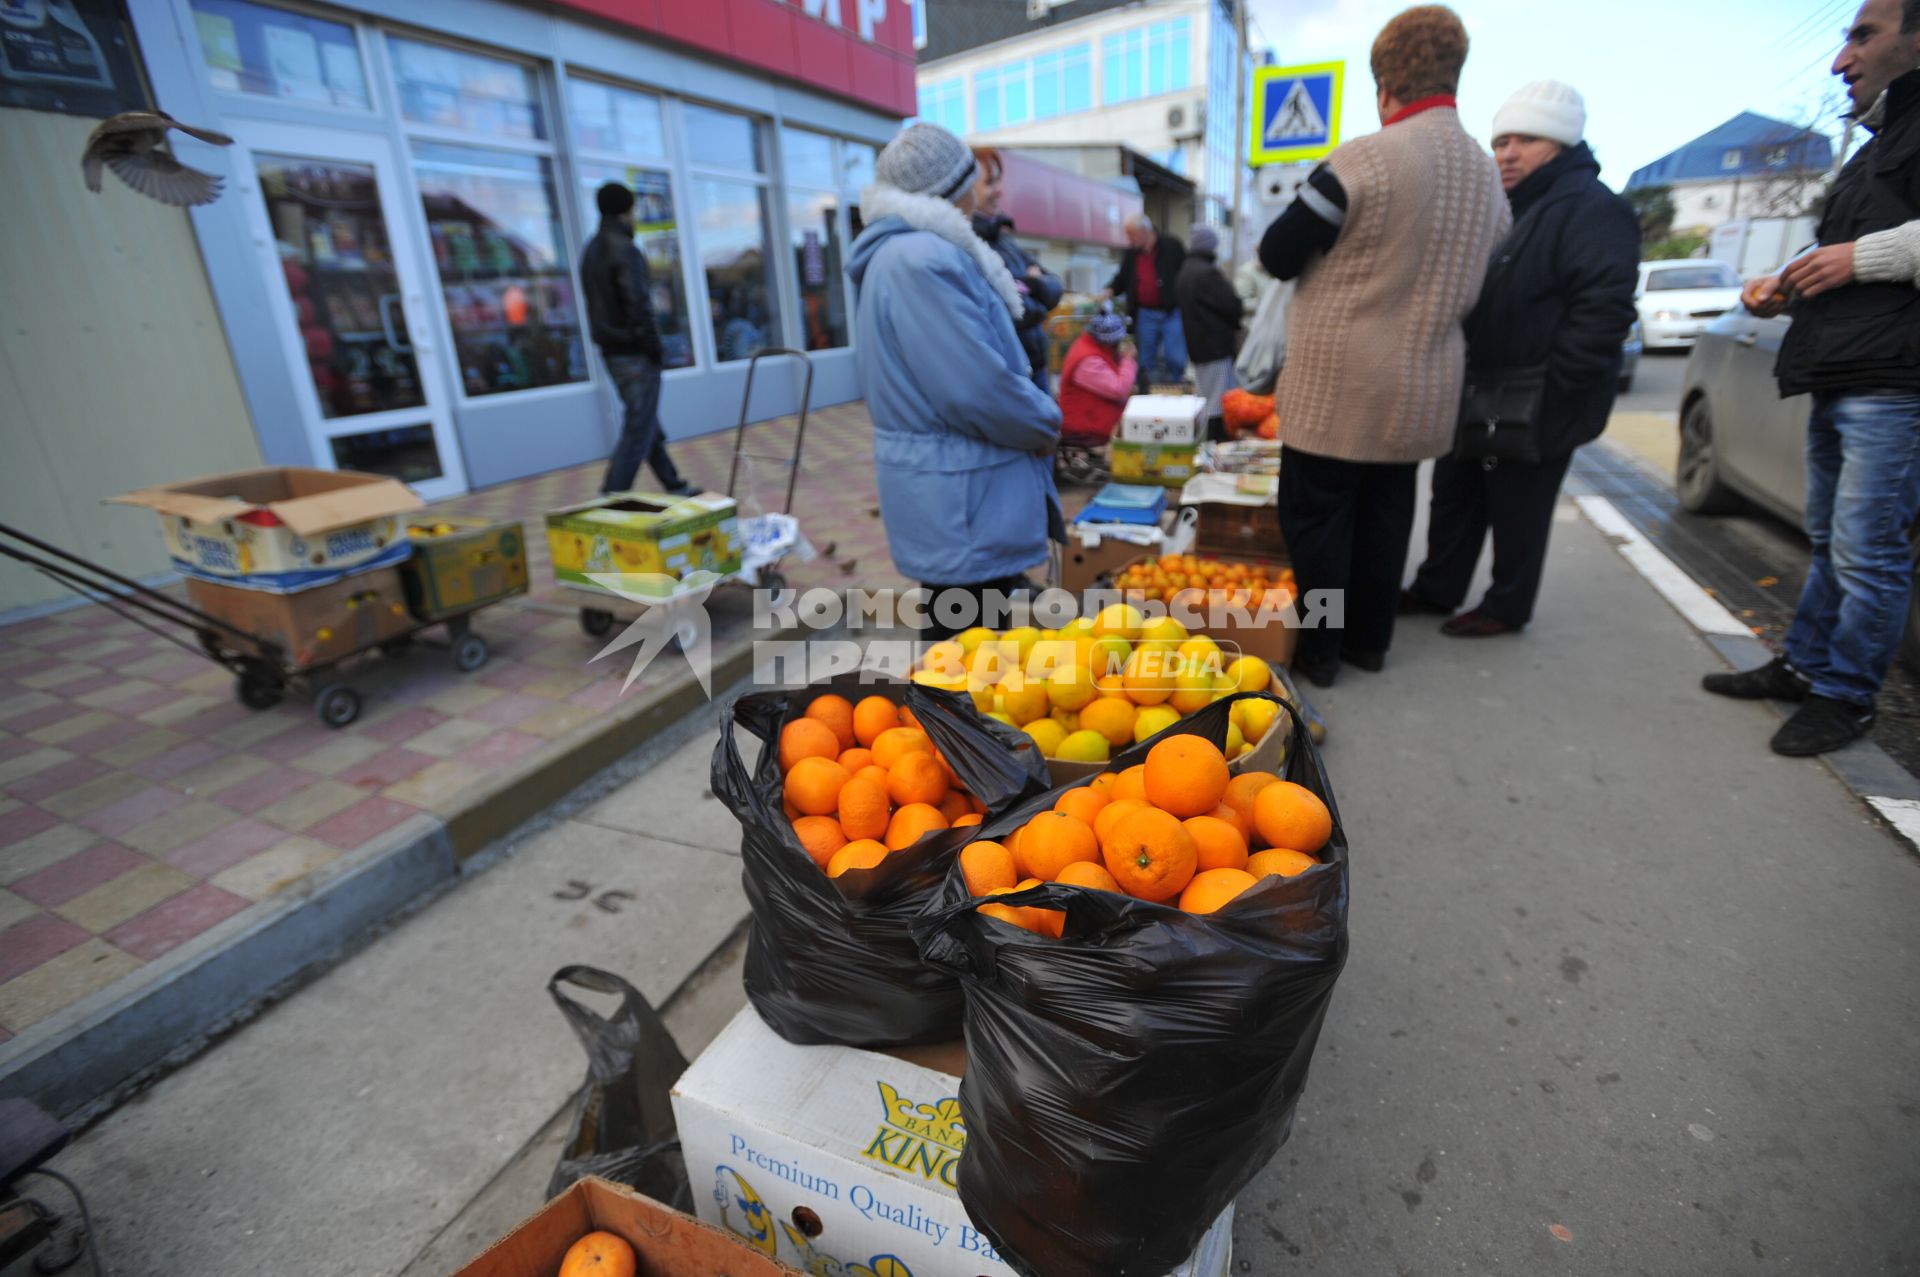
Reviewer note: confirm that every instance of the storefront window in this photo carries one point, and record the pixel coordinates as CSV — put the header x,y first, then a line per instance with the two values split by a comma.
x,y
503,266
337,259
721,139
738,263
619,121
856,161
251,48
454,89
813,223
657,232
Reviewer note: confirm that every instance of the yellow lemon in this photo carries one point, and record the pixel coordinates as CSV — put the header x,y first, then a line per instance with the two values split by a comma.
x,y
1236,743
945,682
1254,718
1148,679
1047,734
1123,619
985,698
1085,747
1250,674
1067,718
944,658
1023,638
1078,626
1111,684
1191,691
1000,716
1025,699
970,640
1201,654
1163,629
1152,720
1048,656
1071,686
1112,717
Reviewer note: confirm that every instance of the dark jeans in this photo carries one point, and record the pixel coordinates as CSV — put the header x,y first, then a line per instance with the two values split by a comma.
x,y
1515,502
1007,585
1863,493
637,378
1347,524
1163,346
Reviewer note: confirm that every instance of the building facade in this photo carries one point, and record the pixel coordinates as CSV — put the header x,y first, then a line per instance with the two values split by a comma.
x,y
1153,76
1751,166
388,281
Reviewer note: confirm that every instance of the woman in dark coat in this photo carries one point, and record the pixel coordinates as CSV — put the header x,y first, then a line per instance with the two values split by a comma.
x,y
1040,289
1560,294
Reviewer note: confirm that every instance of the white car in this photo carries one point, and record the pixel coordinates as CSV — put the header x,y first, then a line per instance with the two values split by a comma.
x,y
1678,299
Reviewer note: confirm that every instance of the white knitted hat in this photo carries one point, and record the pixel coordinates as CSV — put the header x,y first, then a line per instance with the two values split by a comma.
x,y
1545,108
927,160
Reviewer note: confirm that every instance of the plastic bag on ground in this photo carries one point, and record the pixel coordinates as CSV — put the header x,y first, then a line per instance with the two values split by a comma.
x,y
623,1127
831,960
1126,1081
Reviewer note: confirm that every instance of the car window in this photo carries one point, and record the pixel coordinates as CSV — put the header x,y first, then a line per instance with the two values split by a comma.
x,y
1678,277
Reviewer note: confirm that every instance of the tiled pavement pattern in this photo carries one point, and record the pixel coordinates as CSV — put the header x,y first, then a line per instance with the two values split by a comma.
x,y
141,804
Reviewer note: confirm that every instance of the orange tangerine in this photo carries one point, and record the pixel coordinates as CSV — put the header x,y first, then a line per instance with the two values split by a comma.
x,y
890,746
916,778
864,806
1084,803
1150,854
1104,820
1212,888
1132,783
987,866
1292,816
1217,843
837,713
821,836
1085,873
1279,860
1050,842
862,854
911,823
1186,775
872,716
813,785
807,738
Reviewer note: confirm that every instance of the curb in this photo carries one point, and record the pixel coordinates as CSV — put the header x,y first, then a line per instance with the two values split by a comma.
x,y
90,1057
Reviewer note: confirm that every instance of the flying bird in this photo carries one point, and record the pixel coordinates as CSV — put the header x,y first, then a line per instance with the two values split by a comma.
x,y
134,145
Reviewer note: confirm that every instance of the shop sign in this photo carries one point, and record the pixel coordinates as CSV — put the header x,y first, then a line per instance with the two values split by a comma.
x,y
72,56
869,13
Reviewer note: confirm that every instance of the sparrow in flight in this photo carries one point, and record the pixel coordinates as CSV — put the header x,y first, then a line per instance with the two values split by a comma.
x,y
134,145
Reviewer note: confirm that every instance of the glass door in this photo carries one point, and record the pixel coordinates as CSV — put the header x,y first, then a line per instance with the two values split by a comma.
x,y
352,295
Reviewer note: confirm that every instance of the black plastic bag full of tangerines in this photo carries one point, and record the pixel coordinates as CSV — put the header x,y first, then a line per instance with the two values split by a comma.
x,y
1125,1081
831,960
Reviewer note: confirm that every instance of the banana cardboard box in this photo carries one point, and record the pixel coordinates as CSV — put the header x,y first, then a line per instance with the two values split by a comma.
x,y
645,533
281,528
840,1162
1168,464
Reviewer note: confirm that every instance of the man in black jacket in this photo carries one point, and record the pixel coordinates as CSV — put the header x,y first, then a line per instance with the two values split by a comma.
x,y
1210,314
1149,270
619,297
1559,296
1855,347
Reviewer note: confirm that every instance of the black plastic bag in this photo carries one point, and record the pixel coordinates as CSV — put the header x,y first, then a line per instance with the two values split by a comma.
x,y
1126,1081
831,960
623,1129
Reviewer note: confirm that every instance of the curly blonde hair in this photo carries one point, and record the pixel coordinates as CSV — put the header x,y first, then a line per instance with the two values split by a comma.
x,y
1420,53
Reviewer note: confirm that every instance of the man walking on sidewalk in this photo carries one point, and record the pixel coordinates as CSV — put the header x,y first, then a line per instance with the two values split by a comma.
x,y
1149,270
1855,347
613,279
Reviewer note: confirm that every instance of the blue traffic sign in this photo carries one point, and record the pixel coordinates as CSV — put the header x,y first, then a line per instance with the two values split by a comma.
x,y
1296,112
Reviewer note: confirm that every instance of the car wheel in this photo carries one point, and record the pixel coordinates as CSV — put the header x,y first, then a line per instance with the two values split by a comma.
x,y
1700,486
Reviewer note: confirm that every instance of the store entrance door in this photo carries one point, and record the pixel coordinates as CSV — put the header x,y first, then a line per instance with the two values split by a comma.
x,y
351,300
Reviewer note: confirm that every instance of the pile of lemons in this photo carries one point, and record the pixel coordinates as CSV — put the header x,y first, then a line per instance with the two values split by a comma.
x,y
1101,683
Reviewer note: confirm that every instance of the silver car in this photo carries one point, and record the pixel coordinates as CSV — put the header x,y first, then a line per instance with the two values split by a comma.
x,y
1741,442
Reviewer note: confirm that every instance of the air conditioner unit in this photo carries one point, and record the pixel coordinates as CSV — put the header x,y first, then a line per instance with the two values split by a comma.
x,y
1176,117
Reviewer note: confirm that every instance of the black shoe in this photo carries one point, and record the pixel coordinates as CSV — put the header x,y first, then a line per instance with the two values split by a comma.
x,y
1412,604
1822,725
1477,624
1371,662
1777,680
1320,675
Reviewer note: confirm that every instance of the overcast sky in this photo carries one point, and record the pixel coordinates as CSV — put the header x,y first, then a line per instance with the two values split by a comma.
x,y
1655,73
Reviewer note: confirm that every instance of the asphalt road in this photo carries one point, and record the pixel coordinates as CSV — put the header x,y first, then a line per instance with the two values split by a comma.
x,y
1656,386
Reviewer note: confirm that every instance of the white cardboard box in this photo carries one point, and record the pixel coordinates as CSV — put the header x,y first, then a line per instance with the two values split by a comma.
x,y
858,1147
1179,419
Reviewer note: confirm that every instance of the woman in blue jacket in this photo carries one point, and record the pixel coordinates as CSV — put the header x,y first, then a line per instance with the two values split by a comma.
x,y
962,438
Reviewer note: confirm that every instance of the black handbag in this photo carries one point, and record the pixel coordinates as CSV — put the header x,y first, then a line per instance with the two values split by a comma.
x,y
1500,407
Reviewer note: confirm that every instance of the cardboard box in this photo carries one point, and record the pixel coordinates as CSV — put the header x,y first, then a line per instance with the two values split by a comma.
x,y
644,532
1086,558
1238,516
667,1243
281,528
836,1160
1164,419
459,565
1168,464
317,626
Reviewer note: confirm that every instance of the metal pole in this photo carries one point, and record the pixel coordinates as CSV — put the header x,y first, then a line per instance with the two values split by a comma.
x,y
1240,137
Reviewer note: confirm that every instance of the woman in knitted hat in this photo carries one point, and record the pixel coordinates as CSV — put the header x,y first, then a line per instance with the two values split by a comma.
x,y
1390,240
1559,296
1096,380
962,438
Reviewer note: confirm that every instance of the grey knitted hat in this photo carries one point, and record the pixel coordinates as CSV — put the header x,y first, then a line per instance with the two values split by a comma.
x,y
927,160
1204,239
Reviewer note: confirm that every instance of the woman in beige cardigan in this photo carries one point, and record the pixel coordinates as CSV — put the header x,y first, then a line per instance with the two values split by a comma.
x,y
1390,240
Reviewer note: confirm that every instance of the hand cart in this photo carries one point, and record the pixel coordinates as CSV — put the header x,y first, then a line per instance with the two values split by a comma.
x,y
264,671
766,539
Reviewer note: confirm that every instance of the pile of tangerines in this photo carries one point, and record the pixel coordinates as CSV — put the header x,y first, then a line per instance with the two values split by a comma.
x,y
1198,583
1176,829
863,781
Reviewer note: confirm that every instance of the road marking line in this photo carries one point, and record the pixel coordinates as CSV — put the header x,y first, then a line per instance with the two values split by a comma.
x,y
1700,609
1902,813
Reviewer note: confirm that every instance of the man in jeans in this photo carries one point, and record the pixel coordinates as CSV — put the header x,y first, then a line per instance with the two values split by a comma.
x,y
1148,271
613,279
1855,347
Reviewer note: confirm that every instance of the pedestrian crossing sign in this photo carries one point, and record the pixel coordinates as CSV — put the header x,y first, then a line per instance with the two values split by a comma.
x,y
1296,112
